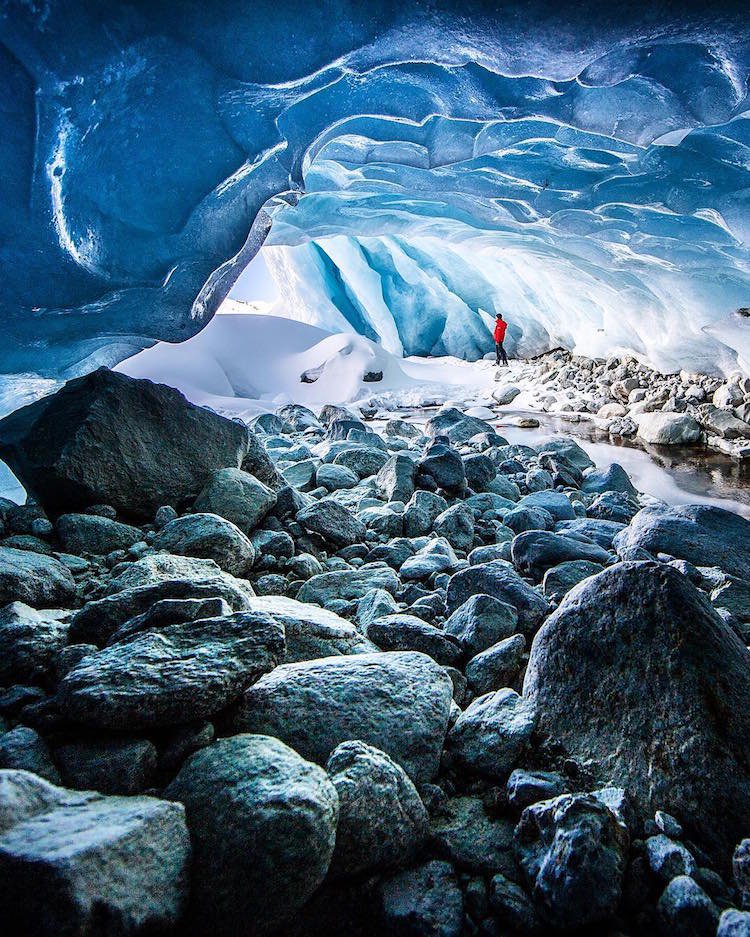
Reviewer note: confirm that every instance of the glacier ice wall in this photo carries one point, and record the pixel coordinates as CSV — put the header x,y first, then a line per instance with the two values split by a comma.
x,y
583,166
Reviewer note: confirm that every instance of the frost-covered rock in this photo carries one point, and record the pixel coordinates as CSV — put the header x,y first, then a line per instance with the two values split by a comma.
x,y
669,429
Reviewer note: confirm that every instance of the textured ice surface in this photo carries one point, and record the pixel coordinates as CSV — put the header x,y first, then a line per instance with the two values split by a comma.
x,y
582,166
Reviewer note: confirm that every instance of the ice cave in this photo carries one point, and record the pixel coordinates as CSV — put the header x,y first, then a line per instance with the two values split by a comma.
x,y
375,480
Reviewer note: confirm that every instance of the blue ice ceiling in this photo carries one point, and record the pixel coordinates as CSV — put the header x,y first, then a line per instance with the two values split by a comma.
x,y
583,168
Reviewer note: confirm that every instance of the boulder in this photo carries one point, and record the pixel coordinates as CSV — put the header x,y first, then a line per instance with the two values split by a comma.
x,y
496,667
403,632
734,923
80,863
237,496
457,526
481,622
173,674
209,537
395,480
559,580
382,820
29,643
668,429
87,533
456,426
462,832
573,852
348,584
262,822
436,556
500,580
490,735
34,579
615,478
536,551
554,502
333,522
686,910
332,477
445,466
108,765
107,438
363,461
398,702
655,698
25,749
703,535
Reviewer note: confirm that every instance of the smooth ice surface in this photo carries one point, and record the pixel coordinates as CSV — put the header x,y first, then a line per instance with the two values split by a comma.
x,y
583,167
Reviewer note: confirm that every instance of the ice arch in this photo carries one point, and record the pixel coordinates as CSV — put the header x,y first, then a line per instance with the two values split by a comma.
x,y
141,143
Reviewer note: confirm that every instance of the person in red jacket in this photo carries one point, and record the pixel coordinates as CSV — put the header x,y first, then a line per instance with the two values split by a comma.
x,y
500,328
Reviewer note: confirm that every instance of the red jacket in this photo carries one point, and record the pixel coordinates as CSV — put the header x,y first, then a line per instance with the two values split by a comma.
x,y
500,326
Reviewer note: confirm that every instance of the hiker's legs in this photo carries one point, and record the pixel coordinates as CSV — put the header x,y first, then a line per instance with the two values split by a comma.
x,y
501,351
498,347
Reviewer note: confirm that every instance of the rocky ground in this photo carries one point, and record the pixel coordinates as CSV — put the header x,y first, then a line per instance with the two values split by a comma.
x,y
315,679
629,399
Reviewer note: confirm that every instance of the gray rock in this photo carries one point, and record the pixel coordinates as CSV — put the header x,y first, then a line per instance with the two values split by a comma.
x,y
530,518
176,674
383,521
600,531
402,632
497,667
615,478
457,526
237,496
395,480
667,824
382,820
275,543
480,471
668,721
107,438
741,871
554,502
668,429
723,423
463,833
348,584
333,476
424,900
25,749
505,394
564,447
701,534
373,605
300,418
686,910
71,863
559,580
734,923
208,537
536,551
316,705
500,580
35,579
401,428
444,465
86,533
480,622
511,905
525,788
363,461
491,735
332,522
573,852
29,643
456,425
436,556
667,859
110,765
263,823
312,632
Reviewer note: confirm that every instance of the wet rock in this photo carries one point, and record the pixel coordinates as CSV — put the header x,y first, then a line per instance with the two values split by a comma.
x,y
382,820
529,787
505,394
496,667
402,632
500,580
332,522
259,815
423,900
176,674
71,861
463,833
668,429
237,496
480,622
108,765
573,852
29,643
35,579
348,584
615,478
110,439
536,551
398,702
25,749
490,736
667,859
86,533
701,534
444,465
667,719
209,537
395,480
686,910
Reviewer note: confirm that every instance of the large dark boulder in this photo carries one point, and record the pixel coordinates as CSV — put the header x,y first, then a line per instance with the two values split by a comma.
x,y
701,534
536,551
502,582
107,438
637,672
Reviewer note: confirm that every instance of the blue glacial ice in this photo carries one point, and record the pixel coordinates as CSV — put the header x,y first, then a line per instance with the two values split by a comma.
x,y
582,167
